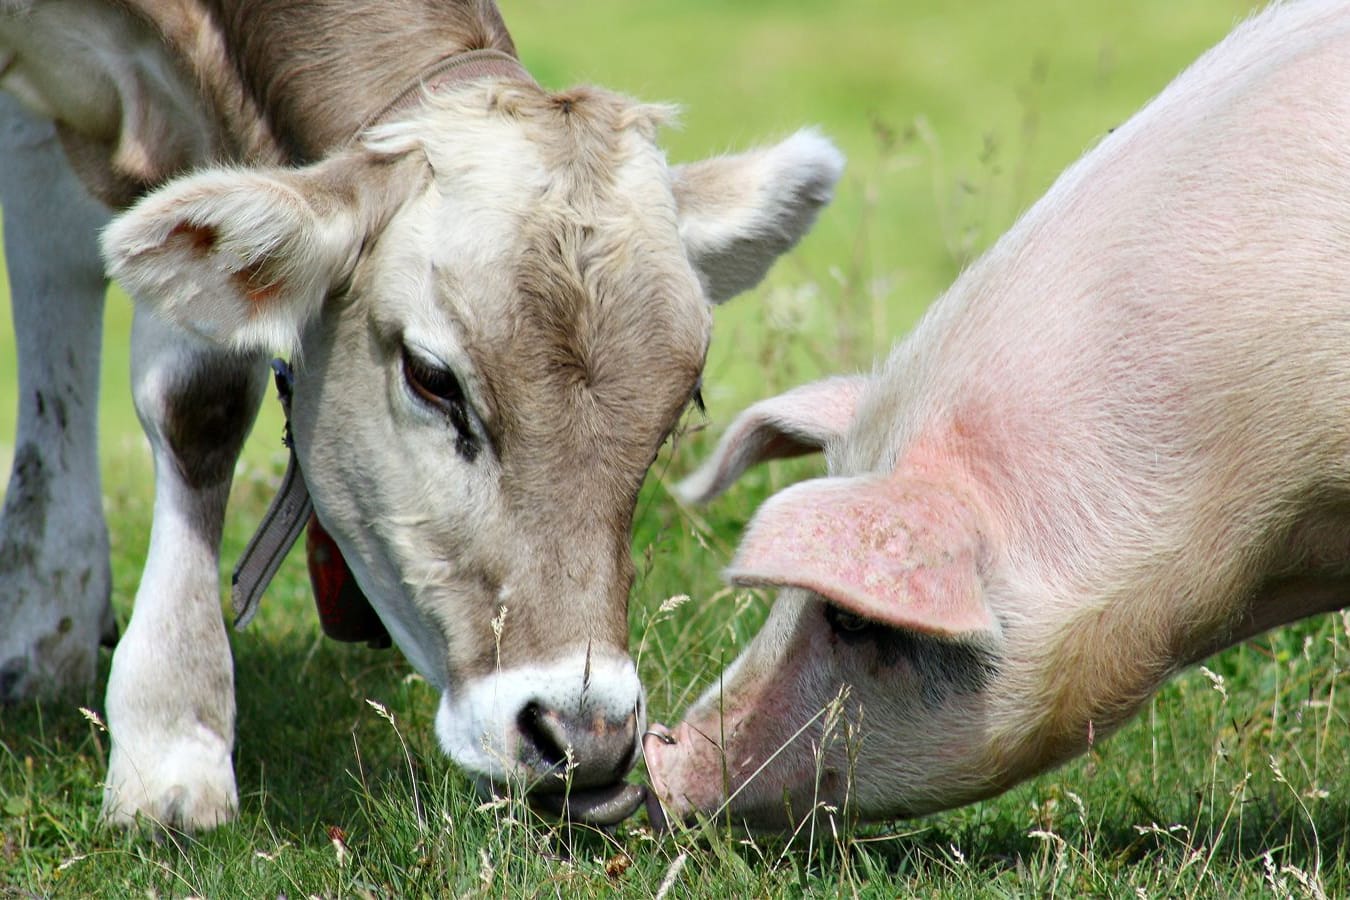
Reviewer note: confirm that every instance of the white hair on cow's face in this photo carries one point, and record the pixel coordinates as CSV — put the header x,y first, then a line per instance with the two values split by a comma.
x,y
477,721
450,121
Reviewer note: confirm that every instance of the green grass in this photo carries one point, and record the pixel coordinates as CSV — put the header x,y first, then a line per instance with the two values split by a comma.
x,y
954,118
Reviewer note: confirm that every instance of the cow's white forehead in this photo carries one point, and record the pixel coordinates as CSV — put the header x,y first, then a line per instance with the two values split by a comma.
x,y
449,257
492,170
498,162
484,174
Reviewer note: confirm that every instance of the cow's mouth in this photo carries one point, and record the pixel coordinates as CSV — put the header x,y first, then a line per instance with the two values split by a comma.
x,y
600,806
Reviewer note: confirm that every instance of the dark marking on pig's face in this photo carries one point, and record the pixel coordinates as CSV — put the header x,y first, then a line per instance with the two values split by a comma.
x,y
941,667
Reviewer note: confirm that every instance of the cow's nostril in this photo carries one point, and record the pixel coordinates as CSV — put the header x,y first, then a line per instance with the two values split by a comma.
x,y
541,736
589,750
627,760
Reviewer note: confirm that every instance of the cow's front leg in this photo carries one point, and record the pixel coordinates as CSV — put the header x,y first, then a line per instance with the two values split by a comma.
x,y
54,576
171,692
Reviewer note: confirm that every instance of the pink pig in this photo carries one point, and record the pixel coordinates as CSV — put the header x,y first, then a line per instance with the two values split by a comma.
x,y
1119,443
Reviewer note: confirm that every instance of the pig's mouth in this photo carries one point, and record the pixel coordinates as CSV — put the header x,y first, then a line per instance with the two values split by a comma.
x,y
657,736
689,778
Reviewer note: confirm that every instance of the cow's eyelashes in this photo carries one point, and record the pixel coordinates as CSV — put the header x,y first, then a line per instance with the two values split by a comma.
x,y
435,385
439,388
697,398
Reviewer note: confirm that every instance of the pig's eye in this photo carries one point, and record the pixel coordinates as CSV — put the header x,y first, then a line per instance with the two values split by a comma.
x,y
849,625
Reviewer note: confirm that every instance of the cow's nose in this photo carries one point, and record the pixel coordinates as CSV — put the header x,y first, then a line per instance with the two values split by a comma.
x,y
588,748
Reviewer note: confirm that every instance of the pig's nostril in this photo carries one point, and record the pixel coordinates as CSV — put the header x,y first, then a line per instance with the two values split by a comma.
x,y
541,736
660,733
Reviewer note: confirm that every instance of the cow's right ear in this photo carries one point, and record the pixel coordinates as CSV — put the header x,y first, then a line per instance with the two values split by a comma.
x,y
804,420
737,214
245,257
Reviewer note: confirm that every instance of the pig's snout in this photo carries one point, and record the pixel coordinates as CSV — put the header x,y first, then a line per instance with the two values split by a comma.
x,y
658,733
662,750
658,739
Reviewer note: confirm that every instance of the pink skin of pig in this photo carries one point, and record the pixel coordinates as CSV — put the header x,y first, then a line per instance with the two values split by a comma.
x,y
1118,444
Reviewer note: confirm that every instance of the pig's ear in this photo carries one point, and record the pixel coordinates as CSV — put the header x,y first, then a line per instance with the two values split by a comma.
x,y
802,421
902,553
244,257
737,214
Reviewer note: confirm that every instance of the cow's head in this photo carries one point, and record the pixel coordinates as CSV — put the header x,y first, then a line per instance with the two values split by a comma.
x,y
499,310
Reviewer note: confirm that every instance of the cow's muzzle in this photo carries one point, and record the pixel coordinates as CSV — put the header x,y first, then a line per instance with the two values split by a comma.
x,y
587,757
565,732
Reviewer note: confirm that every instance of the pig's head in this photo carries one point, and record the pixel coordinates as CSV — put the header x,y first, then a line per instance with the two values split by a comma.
x,y
866,689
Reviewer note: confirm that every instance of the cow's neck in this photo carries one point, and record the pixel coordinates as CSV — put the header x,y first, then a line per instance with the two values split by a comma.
x,y
291,79
317,70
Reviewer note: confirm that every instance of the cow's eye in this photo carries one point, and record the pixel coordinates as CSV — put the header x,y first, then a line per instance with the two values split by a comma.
x,y
849,626
439,388
435,385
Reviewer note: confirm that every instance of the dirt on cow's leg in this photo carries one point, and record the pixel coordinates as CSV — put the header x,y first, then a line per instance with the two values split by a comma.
x,y
54,575
171,690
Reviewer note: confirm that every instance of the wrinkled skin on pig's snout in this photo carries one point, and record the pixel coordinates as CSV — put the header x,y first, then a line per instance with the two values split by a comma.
x,y
827,712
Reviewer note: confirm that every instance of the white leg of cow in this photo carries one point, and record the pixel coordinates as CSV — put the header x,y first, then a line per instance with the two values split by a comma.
x,y
171,692
54,575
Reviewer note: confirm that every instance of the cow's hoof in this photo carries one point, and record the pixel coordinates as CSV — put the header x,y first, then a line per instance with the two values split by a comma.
x,y
51,624
58,666
190,788
180,809
13,680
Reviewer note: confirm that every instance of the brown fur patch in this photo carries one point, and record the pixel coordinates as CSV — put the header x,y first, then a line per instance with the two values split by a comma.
x,y
92,160
319,68
210,411
202,238
25,511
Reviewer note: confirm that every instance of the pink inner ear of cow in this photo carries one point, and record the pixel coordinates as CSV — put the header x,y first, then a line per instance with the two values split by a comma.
x,y
256,288
202,238
250,281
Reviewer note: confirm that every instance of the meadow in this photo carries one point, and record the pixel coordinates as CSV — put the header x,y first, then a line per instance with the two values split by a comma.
x,y
954,118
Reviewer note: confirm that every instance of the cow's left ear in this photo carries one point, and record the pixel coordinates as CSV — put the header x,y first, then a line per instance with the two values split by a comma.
x,y
740,213
245,257
804,420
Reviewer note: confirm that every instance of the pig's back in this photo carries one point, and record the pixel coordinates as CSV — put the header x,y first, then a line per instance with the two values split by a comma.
x,y
1155,361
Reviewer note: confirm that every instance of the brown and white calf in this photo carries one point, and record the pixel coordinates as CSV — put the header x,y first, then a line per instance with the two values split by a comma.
x,y
497,300
1118,444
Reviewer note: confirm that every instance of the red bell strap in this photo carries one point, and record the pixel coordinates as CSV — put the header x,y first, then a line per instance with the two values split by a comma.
x,y
344,611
